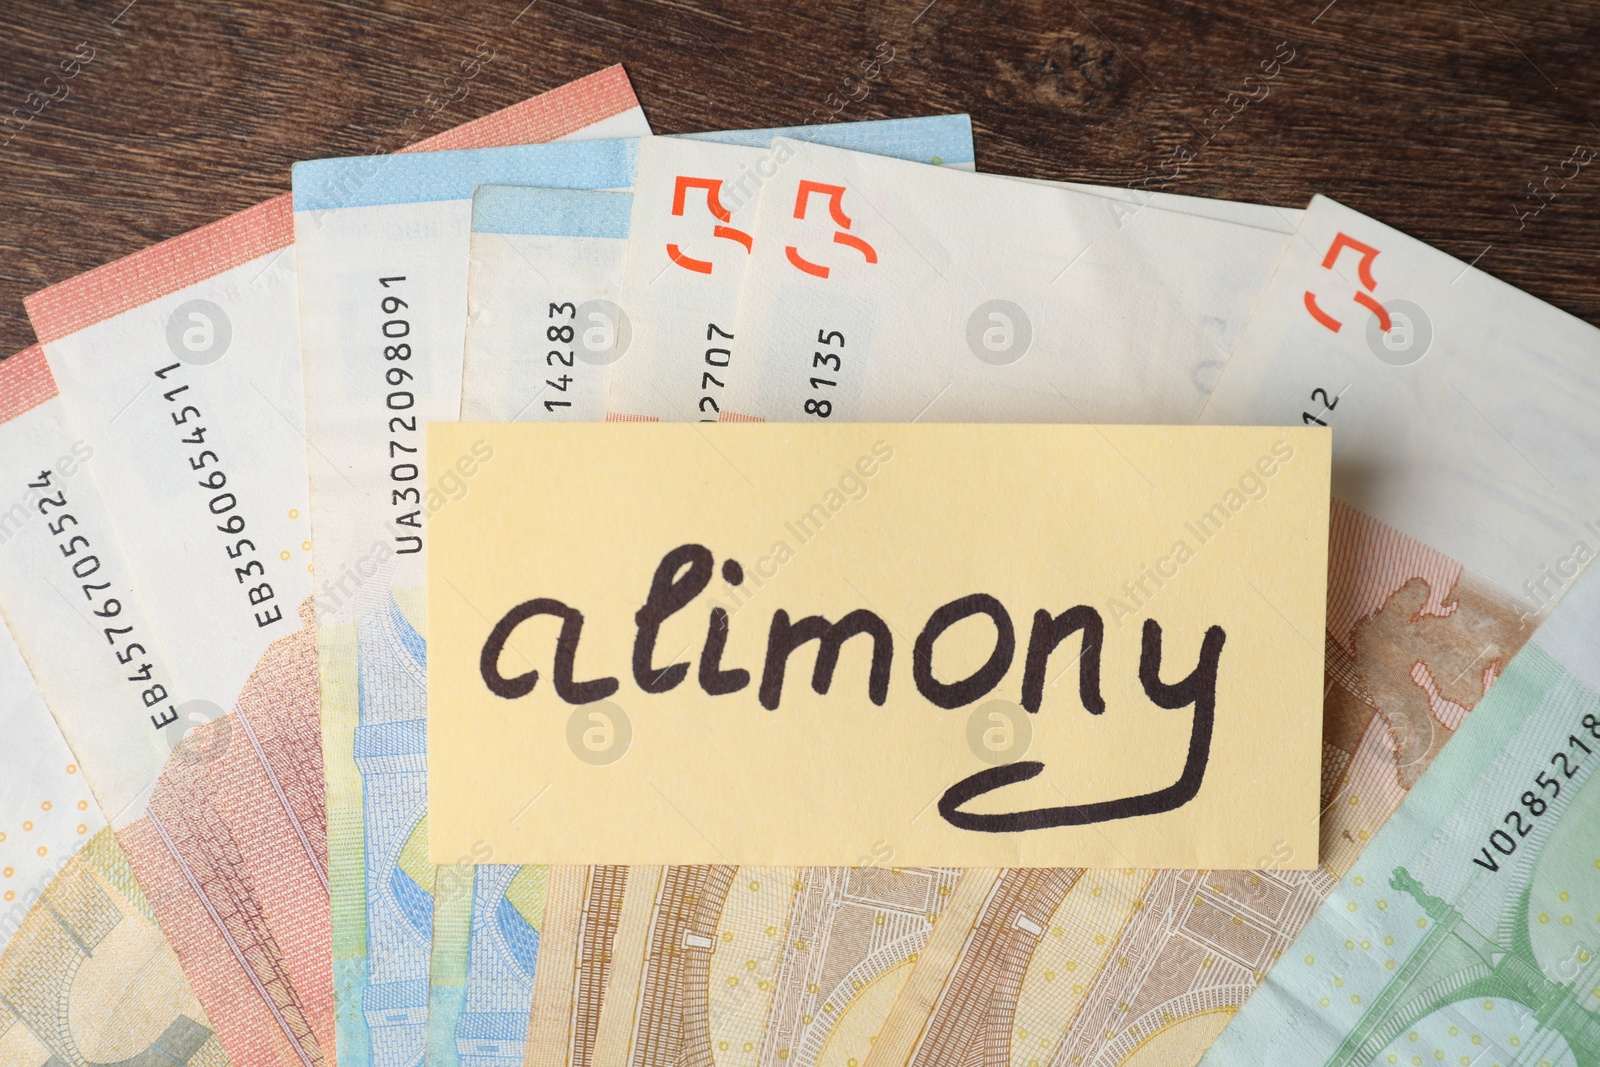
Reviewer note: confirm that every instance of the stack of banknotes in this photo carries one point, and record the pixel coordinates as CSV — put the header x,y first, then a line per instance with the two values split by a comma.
x,y
214,504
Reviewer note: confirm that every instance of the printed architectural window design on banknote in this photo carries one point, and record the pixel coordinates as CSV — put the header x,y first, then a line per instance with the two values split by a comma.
x,y
180,368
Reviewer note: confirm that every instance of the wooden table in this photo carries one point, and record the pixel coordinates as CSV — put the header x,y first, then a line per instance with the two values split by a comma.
x,y
1446,120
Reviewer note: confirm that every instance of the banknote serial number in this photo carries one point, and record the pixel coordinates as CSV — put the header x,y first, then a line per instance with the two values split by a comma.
x,y
1521,820
560,333
85,565
819,402
1319,396
404,497
222,504
717,358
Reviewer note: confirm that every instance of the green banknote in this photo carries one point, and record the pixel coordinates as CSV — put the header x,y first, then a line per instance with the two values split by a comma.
x,y
1469,931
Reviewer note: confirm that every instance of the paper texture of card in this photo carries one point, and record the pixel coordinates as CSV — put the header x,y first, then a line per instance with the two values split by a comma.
x,y
180,368
1414,641
543,323
887,291
800,521
1467,931
692,231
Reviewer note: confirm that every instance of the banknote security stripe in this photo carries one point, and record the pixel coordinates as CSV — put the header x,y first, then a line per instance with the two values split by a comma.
x,y
430,177
944,140
508,209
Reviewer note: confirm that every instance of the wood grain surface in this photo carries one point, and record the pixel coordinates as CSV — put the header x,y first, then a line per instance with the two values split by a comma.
x,y
1448,120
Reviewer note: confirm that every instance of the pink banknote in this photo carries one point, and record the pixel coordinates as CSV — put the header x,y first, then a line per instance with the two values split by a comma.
x,y
231,845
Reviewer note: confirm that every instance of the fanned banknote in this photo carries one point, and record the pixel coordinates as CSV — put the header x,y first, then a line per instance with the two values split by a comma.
x,y
1469,932
179,366
383,276
385,910
690,236
77,620
85,975
544,260
546,263
546,270
687,986
1462,453
884,291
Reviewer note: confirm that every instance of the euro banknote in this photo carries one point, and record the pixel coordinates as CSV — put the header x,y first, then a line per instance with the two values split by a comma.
x,y
663,1002
1469,931
690,235
101,668
889,291
383,272
1426,607
179,366
85,975
546,264
403,225
141,747
546,271
383,887
1240,213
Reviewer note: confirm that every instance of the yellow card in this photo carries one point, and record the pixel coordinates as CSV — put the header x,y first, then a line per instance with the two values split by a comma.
x,y
908,644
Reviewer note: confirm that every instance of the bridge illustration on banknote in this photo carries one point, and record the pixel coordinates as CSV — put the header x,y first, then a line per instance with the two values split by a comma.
x,y
1456,962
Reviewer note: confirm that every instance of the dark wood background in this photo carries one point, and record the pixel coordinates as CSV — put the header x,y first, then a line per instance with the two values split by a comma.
x,y
1436,117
